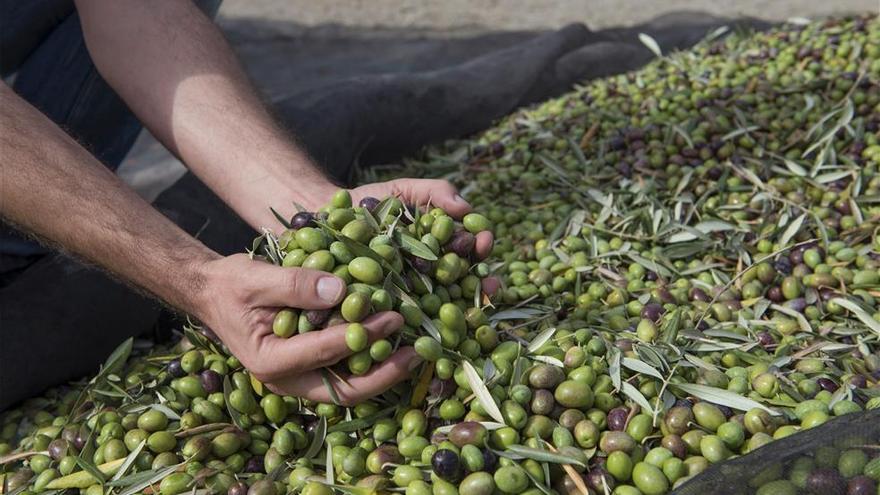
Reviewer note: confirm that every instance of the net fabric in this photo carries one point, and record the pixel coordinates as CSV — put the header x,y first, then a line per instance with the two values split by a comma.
x,y
776,461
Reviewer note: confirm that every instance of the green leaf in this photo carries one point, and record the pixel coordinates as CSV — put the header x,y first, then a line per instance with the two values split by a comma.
x,y
280,218
115,360
792,230
129,460
651,43
139,481
481,392
90,468
640,367
413,246
721,396
235,415
633,393
360,423
317,440
522,452
859,313
541,339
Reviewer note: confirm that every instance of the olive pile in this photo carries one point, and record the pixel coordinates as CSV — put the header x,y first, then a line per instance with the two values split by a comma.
x,y
689,262
386,251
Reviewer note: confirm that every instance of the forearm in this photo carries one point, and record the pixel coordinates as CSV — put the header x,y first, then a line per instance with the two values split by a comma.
x,y
173,67
51,186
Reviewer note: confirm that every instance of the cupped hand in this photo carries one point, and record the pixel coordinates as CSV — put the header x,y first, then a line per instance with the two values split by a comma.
x,y
425,192
241,298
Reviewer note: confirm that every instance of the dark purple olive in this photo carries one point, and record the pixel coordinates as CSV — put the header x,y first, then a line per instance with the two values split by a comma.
x,y
799,304
446,465
765,339
617,418
597,478
237,488
714,173
254,465
496,148
702,326
468,433
318,317
698,294
462,243
490,461
81,439
302,219
783,266
624,345
58,448
69,433
209,334
174,368
775,294
796,256
827,384
652,311
861,485
728,412
665,296
421,264
674,444
650,276
211,381
859,381
368,203
825,481
441,389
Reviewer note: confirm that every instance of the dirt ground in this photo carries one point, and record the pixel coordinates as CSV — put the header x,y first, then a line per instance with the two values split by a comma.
x,y
521,14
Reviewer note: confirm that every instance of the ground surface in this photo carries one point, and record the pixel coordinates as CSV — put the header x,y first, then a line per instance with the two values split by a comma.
x,y
521,14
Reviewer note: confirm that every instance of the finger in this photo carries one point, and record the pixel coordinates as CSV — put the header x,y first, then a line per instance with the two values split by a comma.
x,y
303,288
322,348
483,246
354,389
435,192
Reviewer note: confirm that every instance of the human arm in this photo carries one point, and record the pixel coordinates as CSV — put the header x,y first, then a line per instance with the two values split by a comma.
x,y
52,187
178,74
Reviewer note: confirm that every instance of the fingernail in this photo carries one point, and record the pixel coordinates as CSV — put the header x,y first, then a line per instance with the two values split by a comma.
x,y
459,199
329,289
414,363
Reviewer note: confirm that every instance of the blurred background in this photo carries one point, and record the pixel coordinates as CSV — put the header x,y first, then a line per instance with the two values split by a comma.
x,y
294,48
521,14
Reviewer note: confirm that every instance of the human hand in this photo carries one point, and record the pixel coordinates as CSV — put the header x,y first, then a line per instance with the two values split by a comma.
x,y
424,192
240,299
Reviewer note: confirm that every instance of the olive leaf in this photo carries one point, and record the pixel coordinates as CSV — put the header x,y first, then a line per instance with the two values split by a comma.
x,y
129,460
541,339
317,439
233,413
361,423
792,230
640,367
413,246
651,43
859,313
522,452
633,393
721,396
137,482
481,392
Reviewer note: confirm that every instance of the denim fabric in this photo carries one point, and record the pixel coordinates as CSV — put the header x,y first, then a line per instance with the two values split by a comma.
x,y
42,43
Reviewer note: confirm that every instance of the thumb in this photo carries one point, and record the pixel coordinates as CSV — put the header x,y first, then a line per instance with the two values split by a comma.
x,y
302,288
